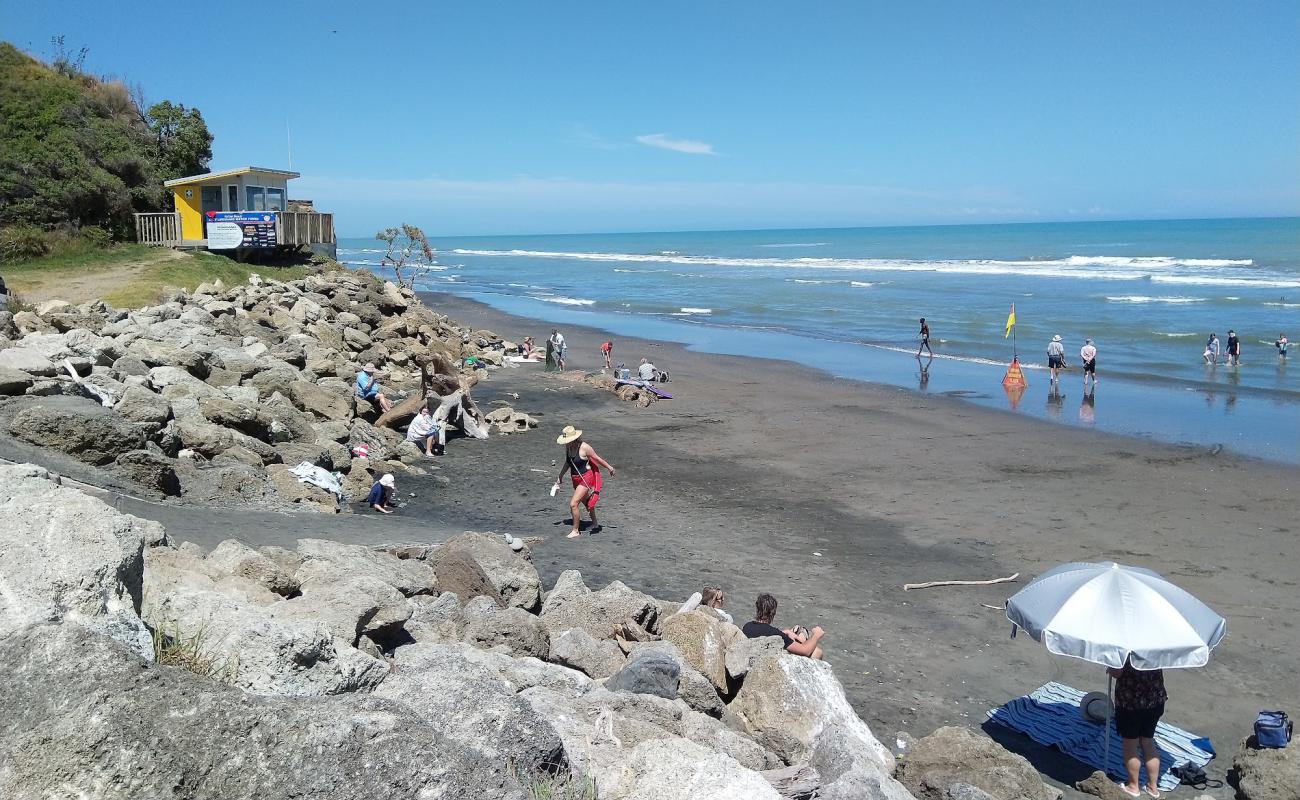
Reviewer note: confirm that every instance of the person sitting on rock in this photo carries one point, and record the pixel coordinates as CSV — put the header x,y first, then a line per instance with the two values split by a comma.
x,y
368,387
713,597
381,494
798,640
423,430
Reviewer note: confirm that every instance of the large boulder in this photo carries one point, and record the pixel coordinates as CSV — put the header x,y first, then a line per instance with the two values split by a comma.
x,y
168,354
233,557
677,769
647,672
598,658
83,717
511,572
743,653
325,561
461,575
1267,773
27,360
14,381
147,411
435,619
703,641
356,606
320,401
795,705
210,440
244,643
954,755
79,427
489,625
175,383
149,469
572,605
470,704
67,556
694,689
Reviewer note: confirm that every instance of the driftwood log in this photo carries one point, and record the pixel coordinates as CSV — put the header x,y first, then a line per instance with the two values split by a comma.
x,y
928,584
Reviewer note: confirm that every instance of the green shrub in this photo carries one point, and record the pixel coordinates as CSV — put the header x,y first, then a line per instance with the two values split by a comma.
x,y
192,653
22,242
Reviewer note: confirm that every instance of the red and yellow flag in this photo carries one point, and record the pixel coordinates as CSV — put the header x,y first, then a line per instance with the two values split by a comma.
x,y
1011,321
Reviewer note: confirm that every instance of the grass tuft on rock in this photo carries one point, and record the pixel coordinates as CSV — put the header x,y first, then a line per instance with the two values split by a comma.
x,y
191,653
556,787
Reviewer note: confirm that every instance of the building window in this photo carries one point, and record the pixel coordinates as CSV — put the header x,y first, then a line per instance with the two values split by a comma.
x,y
274,199
232,198
256,197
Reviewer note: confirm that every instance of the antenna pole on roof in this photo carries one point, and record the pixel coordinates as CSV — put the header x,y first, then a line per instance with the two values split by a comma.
x,y
289,139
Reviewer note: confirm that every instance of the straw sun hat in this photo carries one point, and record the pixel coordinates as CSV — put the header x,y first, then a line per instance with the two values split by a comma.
x,y
569,434
1056,338
1096,707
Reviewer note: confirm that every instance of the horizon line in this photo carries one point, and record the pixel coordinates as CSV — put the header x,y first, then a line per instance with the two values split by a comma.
x,y
847,227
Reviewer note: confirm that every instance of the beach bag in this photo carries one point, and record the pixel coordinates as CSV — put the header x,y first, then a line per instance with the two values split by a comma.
x,y
1272,729
1189,774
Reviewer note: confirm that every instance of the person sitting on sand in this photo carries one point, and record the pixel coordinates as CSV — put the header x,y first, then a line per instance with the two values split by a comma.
x,y
368,387
381,494
798,640
581,460
646,371
423,430
526,349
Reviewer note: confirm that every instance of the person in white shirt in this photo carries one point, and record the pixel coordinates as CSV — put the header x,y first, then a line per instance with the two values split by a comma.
x,y
1055,357
1088,354
646,371
424,430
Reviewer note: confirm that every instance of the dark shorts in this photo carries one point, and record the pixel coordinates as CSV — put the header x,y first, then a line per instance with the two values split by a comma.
x,y
1090,366
1056,362
1138,723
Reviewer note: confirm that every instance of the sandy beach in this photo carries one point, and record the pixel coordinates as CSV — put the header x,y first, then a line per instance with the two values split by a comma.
x,y
831,494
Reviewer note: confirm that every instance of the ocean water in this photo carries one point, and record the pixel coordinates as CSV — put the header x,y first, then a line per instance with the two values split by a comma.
x,y
1148,294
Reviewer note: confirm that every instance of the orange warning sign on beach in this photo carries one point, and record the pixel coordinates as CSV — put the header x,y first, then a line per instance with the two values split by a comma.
x,y
1014,376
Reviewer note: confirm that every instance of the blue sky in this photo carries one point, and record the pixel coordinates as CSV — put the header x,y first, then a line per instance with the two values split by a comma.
x,y
523,117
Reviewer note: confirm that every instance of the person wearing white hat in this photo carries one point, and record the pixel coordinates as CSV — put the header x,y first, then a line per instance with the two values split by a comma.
x,y
368,387
381,494
582,462
1055,357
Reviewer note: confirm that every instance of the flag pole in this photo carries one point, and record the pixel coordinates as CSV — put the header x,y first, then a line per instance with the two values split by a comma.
x,y
1015,355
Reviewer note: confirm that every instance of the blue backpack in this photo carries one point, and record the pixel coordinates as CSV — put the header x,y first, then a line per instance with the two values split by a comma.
x,y
1272,729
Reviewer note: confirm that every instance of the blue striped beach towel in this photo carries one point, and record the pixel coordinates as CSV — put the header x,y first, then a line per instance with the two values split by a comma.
x,y
1050,716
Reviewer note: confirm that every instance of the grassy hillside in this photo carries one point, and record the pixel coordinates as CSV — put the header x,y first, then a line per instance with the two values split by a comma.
x,y
127,276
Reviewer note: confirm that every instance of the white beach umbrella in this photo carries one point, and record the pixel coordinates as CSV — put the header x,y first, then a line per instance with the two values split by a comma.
x,y
1107,613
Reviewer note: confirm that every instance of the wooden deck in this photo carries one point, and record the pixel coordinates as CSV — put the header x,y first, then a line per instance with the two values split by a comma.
x,y
292,229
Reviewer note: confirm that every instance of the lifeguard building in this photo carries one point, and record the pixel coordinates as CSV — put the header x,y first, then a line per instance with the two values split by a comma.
x,y
253,202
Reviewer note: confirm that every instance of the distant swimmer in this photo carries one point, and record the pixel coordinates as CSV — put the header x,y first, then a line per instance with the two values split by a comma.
x,y
925,339
1234,349
1281,344
1055,357
1211,354
1088,354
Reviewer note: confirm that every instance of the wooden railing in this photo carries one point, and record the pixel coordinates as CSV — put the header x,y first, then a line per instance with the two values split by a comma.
x,y
304,227
158,229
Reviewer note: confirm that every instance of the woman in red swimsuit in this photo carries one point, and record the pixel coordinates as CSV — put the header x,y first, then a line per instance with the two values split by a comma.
x,y
582,462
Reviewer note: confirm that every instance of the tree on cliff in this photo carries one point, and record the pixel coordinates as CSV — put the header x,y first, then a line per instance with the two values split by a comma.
x,y
77,151
183,143
409,254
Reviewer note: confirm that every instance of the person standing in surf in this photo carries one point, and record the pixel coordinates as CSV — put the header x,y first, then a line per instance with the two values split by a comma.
x,y
582,462
1281,344
925,340
1211,354
1055,358
1088,354
1234,349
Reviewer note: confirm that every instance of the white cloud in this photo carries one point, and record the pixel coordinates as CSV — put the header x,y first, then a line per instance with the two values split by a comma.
x,y
666,142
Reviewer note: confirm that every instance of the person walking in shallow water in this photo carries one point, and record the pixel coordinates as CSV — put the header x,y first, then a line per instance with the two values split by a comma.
x,y
582,462
1055,358
1211,354
1281,344
1234,349
1088,354
925,339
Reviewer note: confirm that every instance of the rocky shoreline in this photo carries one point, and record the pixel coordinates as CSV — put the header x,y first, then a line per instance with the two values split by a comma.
x,y
135,667
213,395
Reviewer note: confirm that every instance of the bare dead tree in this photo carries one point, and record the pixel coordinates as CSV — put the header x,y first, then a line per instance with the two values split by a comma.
x,y
409,254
